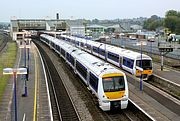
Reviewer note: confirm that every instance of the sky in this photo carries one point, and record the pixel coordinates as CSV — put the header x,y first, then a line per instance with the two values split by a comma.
x,y
85,9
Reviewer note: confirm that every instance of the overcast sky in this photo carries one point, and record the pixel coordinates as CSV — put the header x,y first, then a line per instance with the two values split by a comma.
x,y
88,9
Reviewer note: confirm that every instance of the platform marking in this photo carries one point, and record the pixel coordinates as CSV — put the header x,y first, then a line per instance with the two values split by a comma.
x,y
35,89
165,70
47,87
24,117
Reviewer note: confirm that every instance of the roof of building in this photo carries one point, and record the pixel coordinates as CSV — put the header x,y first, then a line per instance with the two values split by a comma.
x,y
95,26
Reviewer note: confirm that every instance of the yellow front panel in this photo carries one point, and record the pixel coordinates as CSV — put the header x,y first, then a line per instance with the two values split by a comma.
x,y
112,75
114,95
148,72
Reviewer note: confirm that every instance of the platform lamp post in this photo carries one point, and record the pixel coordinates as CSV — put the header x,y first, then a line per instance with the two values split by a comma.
x,y
14,72
24,46
28,46
141,43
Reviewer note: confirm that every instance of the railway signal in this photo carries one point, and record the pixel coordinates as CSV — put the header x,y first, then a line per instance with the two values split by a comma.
x,y
164,49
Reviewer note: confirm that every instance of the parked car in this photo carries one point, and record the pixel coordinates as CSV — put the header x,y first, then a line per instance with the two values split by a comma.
x,y
151,38
132,38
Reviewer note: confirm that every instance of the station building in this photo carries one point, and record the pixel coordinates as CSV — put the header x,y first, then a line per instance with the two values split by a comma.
x,y
20,26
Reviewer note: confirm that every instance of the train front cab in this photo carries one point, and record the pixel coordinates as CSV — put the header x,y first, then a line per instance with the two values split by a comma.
x,y
147,68
115,92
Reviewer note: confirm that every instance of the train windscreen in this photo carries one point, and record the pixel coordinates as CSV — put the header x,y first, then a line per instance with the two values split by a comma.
x,y
112,84
146,64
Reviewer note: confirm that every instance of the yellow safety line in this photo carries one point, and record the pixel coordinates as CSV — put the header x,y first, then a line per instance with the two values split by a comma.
x,y
35,91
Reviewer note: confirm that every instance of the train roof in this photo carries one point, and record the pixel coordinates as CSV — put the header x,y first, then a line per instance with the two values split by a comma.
x,y
121,51
93,63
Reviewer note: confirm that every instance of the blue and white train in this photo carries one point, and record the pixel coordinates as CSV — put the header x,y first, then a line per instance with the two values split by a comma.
x,y
123,58
107,83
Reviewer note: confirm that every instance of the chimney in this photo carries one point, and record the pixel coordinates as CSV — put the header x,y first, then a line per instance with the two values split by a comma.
x,y
57,16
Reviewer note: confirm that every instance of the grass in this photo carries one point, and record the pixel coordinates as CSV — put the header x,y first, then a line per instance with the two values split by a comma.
x,y
7,60
1,38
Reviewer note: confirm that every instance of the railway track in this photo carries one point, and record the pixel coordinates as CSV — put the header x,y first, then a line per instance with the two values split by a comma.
x,y
154,80
90,100
4,42
62,106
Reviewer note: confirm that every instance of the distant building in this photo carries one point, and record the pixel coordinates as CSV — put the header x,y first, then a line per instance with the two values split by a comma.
x,y
19,25
117,28
77,30
76,27
95,30
136,27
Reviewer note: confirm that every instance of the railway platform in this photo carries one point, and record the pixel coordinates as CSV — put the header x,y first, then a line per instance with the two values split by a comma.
x,y
34,106
167,73
151,106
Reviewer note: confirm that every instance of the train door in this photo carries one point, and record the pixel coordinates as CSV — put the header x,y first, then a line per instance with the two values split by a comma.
x,y
75,71
120,61
134,67
88,76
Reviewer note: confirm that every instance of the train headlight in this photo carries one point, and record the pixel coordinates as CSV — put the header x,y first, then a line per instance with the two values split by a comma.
x,y
105,101
124,99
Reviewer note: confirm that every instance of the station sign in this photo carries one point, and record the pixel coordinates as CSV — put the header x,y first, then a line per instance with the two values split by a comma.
x,y
166,49
10,71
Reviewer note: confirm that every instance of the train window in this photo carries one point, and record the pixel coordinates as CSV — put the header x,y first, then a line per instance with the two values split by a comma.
x,y
58,48
73,41
52,44
102,52
112,84
88,47
95,49
146,64
63,52
120,60
113,57
68,56
93,81
82,44
81,69
66,39
119,83
77,43
128,62
47,41
71,60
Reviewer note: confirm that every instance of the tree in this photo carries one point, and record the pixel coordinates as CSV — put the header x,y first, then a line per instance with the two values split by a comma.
x,y
171,13
177,29
95,21
153,23
172,21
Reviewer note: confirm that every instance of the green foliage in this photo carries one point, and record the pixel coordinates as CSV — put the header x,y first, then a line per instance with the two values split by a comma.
x,y
171,13
110,30
7,59
172,21
153,23
95,21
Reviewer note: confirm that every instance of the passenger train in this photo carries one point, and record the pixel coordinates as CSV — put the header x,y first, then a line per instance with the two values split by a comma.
x,y
107,83
123,58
